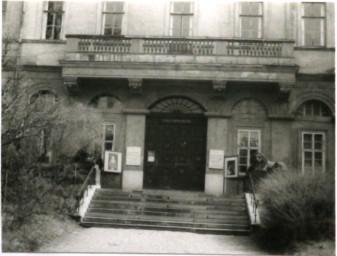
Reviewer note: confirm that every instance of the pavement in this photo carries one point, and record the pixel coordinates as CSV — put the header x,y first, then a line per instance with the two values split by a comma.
x,y
114,240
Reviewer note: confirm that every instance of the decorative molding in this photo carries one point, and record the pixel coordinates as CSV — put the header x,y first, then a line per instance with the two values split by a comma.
x,y
285,90
134,111
43,41
71,84
217,115
219,88
135,85
36,68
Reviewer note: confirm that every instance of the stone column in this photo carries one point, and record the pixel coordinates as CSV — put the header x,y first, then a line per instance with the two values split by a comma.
x,y
135,137
216,139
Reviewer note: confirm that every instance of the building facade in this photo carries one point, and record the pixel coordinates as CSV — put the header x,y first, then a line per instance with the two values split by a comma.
x,y
181,84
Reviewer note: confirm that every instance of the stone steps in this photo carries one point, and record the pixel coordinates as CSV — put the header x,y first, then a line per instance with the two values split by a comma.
x,y
168,210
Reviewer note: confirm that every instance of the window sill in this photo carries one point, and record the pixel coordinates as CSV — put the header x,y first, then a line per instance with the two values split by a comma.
x,y
318,48
43,41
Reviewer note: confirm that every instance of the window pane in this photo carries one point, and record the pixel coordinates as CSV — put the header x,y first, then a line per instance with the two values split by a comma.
x,y
307,8
308,157
307,145
109,132
243,160
118,20
182,7
318,137
185,32
254,139
50,19
108,146
243,168
109,20
185,22
243,139
255,8
243,152
252,152
318,155
307,137
317,9
176,32
176,23
317,108
49,32
114,6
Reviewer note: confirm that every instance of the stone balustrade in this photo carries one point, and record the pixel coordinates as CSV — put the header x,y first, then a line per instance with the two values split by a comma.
x,y
180,46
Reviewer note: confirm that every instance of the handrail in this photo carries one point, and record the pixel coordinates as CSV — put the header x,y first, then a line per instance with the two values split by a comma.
x,y
85,184
254,202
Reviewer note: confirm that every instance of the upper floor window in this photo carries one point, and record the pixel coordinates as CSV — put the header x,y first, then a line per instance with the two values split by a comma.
x,y
4,10
314,108
181,19
53,15
112,18
313,23
251,14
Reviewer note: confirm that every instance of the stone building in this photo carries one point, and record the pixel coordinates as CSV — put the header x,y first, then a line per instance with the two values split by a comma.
x,y
179,81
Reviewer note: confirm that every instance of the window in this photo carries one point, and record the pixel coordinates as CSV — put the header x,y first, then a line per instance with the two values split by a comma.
x,y
181,19
45,146
43,101
313,22
314,108
112,18
251,15
249,142
108,140
4,10
313,152
54,14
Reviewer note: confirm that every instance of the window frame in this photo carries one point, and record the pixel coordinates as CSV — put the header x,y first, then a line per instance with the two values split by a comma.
x,y
105,141
42,93
248,148
323,33
105,12
313,151
260,16
45,20
181,14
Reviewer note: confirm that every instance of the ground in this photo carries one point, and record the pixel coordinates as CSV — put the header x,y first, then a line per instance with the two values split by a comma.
x,y
113,240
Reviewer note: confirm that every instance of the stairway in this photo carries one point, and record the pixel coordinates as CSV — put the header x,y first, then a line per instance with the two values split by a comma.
x,y
168,210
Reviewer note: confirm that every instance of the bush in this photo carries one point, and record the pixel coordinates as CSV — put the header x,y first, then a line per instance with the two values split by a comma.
x,y
295,208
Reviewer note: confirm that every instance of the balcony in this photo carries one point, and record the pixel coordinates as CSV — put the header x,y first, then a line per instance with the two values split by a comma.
x,y
180,58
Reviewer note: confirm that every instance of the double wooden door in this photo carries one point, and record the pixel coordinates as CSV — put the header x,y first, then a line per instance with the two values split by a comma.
x,y
175,152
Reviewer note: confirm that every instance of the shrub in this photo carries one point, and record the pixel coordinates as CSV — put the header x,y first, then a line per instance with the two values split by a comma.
x,y
295,208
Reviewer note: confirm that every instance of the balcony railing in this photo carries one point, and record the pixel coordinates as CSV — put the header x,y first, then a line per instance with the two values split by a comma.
x,y
180,46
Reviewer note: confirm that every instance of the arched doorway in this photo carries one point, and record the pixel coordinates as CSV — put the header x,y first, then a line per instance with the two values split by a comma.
x,y
175,145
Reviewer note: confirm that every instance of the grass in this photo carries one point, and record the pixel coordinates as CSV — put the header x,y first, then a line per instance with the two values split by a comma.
x,y
40,230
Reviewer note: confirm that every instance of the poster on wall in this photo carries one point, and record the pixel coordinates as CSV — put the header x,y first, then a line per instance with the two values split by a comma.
x,y
133,156
231,167
216,159
112,162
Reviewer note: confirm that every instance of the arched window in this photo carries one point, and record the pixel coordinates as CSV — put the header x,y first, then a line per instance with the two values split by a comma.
x,y
43,100
177,105
106,101
314,108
